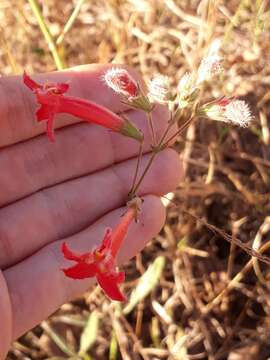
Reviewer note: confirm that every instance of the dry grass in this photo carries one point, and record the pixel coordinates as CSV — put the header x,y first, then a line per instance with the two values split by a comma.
x,y
208,303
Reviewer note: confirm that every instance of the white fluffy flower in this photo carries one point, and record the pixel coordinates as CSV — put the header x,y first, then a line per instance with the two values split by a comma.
x,y
185,85
159,89
121,82
211,63
238,112
230,111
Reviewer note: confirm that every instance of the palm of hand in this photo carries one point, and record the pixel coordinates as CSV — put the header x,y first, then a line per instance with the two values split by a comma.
x,y
69,191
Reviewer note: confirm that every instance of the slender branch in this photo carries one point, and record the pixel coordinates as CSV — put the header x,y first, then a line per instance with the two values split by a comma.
x,y
237,278
70,22
178,132
144,173
165,134
156,150
151,127
137,168
47,34
11,59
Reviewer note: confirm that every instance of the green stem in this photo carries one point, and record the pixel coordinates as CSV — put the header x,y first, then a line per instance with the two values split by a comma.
x,y
182,128
143,174
165,134
137,168
151,127
157,149
47,34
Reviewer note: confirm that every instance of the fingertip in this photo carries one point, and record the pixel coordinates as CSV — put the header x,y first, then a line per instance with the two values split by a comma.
x,y
151,221
164,175
154,214
171,170
6,317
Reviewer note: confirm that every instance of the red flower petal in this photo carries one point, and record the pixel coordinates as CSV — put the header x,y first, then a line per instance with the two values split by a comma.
x,y
62,87
120,277
81,271
120,232
30,83
43,113
223,102
109,283
69,254
107,241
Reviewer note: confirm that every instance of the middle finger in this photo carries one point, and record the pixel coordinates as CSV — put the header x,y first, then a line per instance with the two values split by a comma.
x,y
79,149
64,209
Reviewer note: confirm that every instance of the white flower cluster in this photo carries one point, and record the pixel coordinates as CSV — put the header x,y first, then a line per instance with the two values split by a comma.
x,y
159,90
210,65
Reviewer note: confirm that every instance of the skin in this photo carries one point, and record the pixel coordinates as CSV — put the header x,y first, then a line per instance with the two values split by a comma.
x,y
68,191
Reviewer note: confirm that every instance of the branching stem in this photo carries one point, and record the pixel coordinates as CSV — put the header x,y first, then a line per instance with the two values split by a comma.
x,y
139,158
155,150
178,132
151,127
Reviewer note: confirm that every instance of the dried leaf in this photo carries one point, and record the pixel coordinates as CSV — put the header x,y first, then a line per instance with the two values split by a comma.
x,y
89,333
146,283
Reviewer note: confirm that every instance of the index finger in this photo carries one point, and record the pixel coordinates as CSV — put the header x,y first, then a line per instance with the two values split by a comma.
x,y
38,287
18,104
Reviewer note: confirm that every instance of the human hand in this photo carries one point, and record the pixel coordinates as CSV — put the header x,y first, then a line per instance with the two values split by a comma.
x,y
69,191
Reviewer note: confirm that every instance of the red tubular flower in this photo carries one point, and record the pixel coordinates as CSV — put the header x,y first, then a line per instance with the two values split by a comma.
x,y
53,101
101,261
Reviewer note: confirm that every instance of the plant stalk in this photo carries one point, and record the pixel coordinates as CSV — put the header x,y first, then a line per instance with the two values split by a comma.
x,y
70,21
47,34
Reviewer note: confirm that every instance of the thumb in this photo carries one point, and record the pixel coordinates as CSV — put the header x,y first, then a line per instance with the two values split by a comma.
x,y
5,318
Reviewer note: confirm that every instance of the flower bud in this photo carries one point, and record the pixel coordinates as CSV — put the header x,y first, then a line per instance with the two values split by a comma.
x,y
185,86
159,89
187,91
210,64
121,82
229,111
